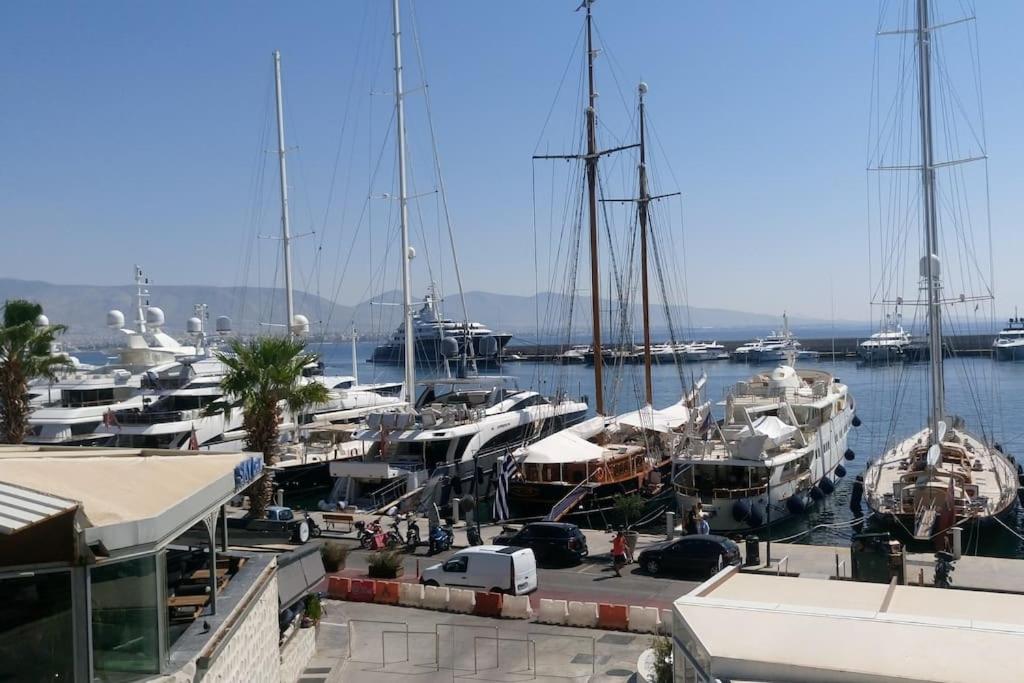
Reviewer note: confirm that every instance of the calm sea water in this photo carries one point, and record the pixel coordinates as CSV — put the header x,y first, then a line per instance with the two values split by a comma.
x,y
891,402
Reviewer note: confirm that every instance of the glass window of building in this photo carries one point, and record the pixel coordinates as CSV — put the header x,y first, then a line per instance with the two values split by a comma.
x,y
126,607
36,628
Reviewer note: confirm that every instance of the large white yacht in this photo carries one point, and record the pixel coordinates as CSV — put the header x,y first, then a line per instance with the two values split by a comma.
x,y
889,344
1009,343
779,446
430,332
70,410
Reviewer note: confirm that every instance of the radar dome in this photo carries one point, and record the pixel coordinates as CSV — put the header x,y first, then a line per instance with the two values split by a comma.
x,y
300,324
411,254
488,346
642,87
115,319
154,317
42,321
449,347
194,325
223,324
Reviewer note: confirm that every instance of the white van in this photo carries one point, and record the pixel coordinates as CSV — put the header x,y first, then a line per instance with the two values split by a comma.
x,y
495,568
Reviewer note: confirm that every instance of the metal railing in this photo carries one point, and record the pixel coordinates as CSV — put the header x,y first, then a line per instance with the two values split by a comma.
x,y
778,567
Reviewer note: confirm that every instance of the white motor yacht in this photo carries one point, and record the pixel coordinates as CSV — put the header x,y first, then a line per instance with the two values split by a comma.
x,y
1009,343
779,447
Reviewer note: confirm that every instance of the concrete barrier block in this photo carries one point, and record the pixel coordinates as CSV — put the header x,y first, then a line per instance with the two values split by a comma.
x,y
553,612
612,617
410,595
487,604
435,597
666,622
516,607
461,601
583,614
361,590
644,619
386,592
338,587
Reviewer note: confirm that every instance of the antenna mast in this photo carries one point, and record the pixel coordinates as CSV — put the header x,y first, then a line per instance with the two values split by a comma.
x,y
403,202
930,262
286,237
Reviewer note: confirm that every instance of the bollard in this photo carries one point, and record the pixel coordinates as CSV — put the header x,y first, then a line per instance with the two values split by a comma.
x,y
670,525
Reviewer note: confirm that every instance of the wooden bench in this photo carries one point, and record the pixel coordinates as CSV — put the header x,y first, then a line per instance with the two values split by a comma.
x,y
333,518
188,600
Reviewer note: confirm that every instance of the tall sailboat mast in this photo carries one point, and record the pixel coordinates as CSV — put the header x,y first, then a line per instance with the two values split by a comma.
x,y
643,203
930,263
403,202
286,236
592,156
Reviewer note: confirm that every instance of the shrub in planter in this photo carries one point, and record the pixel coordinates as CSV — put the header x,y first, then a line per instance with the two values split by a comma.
x,y
334,555
662,647
314,610
386,564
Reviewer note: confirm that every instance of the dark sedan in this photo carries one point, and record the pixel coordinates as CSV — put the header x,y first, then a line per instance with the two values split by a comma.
x,y
551,542
696,554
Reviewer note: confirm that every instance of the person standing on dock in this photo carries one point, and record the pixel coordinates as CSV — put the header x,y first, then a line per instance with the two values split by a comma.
x,y
618,553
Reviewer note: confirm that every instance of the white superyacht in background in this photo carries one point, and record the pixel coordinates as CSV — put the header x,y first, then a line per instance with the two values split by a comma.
x,y
781,444
70,410
889,344
1009,344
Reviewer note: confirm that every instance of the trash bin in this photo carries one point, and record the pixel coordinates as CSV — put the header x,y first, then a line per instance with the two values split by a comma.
x,y
753,552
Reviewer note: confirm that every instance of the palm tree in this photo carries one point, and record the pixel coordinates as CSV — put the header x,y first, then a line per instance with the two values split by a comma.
x,y
264,375
25,354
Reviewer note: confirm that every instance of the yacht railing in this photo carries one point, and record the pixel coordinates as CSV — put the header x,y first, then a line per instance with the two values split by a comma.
x,y
159,417
745,389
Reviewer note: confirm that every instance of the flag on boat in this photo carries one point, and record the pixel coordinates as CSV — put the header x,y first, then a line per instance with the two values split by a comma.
x,y
509,468
193,440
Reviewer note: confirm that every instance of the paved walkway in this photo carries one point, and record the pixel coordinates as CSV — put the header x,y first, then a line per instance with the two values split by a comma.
x,y
448,647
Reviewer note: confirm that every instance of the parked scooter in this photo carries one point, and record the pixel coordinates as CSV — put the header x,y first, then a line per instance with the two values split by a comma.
x,y
944,568
412,534
441,538
368,533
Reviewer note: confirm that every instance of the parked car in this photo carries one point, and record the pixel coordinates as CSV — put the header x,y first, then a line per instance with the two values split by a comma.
x,y
701,554
549,541
494,568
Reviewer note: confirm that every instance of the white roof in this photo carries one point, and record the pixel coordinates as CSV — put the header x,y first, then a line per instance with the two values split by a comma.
x,y
21,507
801,625
564,446
777,431
664,420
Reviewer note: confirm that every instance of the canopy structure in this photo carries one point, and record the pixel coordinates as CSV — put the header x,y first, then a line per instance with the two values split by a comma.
x,y
776,431
664,420
561,447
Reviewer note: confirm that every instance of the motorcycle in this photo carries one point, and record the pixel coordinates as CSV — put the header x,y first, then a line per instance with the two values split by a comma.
x,y
412,534
368,534
393,538
441,538
944,569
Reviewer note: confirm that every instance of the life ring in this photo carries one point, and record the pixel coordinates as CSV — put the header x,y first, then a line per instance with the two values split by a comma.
x,y
599,475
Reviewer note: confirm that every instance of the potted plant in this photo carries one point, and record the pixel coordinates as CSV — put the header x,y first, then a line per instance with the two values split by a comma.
x,y
314,611
334,555
386,564
662,647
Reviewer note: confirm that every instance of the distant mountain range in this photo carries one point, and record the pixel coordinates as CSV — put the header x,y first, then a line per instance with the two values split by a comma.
x,y
84,307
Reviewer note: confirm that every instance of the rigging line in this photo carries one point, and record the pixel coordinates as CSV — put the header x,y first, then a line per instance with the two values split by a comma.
x,y
573,56
437,165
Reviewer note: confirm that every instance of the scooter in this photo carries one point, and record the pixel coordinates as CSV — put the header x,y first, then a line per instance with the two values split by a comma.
x,y
367,533
441,538
944,569
412,534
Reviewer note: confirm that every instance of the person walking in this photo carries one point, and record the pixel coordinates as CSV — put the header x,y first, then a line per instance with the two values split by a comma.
x,y
618,553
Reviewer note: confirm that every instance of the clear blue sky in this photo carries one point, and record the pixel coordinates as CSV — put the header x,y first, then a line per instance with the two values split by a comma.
x,y
132,132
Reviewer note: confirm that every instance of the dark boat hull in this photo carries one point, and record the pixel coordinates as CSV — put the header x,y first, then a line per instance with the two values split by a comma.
x,y
428,352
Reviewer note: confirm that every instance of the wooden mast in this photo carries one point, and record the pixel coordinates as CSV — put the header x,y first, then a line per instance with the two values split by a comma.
x,y
595,276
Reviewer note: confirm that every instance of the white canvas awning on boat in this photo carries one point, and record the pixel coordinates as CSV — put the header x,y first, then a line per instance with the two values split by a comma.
x,y
664,420
776,431
562,447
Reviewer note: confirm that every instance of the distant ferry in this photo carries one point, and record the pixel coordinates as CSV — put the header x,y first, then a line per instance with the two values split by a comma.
x,y
438,338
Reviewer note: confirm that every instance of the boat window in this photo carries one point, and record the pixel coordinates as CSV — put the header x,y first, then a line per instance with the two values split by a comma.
x,y
79,428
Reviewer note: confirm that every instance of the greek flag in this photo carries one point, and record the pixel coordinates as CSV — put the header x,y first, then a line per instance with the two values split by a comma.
x,y
509,468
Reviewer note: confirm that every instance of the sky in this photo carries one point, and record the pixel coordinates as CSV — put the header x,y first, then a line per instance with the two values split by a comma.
x,y
143,133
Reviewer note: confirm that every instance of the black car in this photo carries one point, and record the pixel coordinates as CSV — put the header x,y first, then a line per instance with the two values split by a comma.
x,y
550,541
700,554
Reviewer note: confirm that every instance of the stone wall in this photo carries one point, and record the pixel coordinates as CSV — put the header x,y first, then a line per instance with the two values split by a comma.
x,y
296,653
251,654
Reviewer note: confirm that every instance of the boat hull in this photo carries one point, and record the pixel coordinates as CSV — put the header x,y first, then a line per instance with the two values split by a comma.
x,y
1008,353
428,351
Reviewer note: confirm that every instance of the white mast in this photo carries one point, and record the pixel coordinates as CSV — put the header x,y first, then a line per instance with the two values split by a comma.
x,y
285,228
355,359
141,301
930,261
403,203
